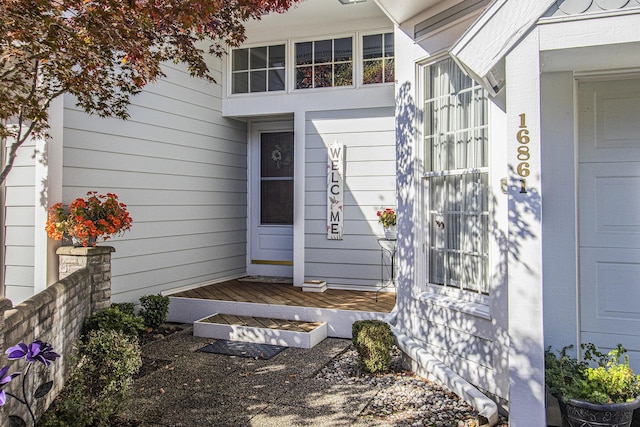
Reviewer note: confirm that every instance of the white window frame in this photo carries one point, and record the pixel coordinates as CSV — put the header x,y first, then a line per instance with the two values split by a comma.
x,y
361,36
355,48
460,299
229,68
290,63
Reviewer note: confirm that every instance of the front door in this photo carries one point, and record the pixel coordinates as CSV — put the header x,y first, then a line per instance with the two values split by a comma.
x,y
609,214
271,200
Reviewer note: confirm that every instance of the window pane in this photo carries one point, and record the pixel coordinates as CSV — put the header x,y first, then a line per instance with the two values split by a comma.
x,y
389,71
276,172
303,53
342,50
331,62
260,69
276,56
304,77
372,72
258,81
258,58
388,45
372,46
240,59
456,146
276,205
276,80
322,75
343,74
322,51
240,83
276,154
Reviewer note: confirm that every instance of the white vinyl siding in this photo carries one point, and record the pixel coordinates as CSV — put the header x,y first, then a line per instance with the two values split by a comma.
x,y
369,140
19,219
181,169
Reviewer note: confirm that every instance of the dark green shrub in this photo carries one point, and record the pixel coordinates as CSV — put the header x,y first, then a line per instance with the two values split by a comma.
x,y
113,319
99,384
154,310
125,307
373,340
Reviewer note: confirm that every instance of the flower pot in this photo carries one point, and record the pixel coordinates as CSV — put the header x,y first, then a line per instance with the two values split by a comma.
x,y
578,413
76,242
390,232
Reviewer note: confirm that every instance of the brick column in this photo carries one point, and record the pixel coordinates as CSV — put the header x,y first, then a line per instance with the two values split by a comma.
x,y
95,259
5,304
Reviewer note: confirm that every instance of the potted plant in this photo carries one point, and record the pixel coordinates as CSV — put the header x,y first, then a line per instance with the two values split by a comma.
x,y
387,217
87,219
603,393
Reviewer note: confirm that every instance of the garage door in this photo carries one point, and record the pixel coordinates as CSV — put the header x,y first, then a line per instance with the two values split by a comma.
x,y
609,213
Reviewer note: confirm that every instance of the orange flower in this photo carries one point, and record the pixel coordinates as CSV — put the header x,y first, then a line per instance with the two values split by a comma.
x,y
97,216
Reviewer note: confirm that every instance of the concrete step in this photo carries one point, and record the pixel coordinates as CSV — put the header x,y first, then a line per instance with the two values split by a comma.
x,y
263,330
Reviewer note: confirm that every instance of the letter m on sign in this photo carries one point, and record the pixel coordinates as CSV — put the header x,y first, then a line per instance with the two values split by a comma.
x,y
335,191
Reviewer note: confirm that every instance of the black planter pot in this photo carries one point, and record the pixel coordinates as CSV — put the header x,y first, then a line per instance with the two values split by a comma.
x,y
578,413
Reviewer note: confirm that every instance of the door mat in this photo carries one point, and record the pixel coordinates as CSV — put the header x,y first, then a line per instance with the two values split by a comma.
x,y
267,279
243,349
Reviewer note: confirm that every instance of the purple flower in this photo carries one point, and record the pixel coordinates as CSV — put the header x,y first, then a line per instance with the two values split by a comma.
x,y
4,379
37,351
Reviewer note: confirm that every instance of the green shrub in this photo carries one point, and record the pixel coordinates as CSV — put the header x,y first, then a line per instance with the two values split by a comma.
x,y
611,381
113,319
154,310
125,307
99,384
373,340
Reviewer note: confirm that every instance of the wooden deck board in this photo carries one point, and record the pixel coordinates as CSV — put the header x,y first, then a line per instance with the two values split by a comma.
x,y
287,294
263,322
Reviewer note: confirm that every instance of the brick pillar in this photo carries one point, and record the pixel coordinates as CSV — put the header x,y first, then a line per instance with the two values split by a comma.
x,y
98,261
5,304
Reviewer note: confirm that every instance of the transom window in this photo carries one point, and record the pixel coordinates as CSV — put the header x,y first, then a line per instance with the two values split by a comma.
x,y
258,69
456,178
324,63
378,58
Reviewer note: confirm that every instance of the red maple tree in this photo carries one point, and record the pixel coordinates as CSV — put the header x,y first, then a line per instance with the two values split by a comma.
x,y
105,51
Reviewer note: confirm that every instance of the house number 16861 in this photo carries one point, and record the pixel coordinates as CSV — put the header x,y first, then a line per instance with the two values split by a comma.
x,y
522,136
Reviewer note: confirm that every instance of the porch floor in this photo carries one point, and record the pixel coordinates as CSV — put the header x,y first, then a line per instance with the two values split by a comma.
x,y
337,308
289,295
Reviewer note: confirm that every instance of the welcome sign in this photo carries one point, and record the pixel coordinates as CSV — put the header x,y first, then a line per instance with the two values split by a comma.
x,y
335,190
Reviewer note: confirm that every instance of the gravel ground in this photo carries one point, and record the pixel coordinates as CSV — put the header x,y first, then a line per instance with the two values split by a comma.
x,y
403,399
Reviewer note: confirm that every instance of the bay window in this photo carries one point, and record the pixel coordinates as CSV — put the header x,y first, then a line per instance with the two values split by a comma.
x,y
456,178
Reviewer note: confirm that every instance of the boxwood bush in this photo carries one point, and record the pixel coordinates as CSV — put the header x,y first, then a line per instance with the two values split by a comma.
x,y
154,310
373,340
114,319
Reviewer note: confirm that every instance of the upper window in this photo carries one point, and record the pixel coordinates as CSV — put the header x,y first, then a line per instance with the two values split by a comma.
x,y
324,63
456,178
377,58
258,69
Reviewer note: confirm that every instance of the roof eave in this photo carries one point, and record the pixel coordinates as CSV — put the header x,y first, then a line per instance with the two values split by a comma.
x,y
482,48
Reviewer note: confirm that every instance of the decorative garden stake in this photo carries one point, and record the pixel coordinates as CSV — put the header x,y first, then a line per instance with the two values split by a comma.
x,y
37,351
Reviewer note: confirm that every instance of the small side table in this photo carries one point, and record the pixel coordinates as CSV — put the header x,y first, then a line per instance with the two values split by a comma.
x,y
388,252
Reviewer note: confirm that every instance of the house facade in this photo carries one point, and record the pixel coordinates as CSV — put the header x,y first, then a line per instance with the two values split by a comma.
x,y
504,132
